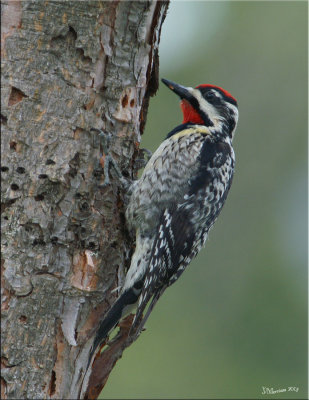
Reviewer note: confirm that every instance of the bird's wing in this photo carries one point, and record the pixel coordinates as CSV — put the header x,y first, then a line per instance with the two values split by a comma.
x,y
183,226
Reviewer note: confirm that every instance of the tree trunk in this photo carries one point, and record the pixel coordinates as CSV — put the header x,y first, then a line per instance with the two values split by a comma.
x,y
68,67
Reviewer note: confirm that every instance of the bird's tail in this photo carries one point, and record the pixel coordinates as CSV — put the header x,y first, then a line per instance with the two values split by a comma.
x,y
113,316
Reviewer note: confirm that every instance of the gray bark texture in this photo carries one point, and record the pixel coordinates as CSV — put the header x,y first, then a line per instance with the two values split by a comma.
x,y
68,67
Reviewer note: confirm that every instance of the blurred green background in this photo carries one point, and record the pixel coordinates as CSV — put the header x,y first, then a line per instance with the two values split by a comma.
x,y
237,319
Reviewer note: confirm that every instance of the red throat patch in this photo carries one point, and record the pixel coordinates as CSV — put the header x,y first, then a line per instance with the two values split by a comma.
x,y
190,114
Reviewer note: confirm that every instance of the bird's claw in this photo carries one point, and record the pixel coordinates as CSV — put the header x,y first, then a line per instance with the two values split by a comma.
x,y
105,139
144,156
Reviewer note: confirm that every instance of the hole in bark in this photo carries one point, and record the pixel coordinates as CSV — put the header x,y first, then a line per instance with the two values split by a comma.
x,y
73,32
13,145
78,195
84,206
124,101
23,319
97,173
16,96
39,197
4,119
14,186
91,245
72,172
132,102
43,176
74,164
84,58
4,169
38,242
54,239
20,170
50,162
27,228
52,383
7,204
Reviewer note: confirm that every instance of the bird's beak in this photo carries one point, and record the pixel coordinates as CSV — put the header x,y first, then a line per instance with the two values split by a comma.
x,y
182,91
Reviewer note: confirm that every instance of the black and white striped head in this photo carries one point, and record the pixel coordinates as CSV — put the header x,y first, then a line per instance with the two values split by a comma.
x,y
207,105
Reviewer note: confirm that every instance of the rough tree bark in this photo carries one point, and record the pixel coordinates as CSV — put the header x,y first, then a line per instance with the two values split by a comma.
x,y
67,67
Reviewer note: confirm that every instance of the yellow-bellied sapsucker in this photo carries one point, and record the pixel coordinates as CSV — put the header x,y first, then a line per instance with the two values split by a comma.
x,y
177,199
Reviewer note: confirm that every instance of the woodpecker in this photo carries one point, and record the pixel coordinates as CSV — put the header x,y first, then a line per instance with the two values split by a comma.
x,y
177,199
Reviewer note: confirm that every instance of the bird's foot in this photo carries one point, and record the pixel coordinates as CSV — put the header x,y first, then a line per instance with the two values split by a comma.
x,y
142,159
106,161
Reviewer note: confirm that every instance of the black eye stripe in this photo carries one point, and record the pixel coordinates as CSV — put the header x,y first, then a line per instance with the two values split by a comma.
x,y
221,96
210,94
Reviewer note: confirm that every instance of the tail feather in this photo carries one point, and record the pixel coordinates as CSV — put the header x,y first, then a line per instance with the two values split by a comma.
x,y
112,318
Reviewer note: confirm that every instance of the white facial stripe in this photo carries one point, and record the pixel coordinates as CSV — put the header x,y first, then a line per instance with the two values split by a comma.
x,y
233,108
216,93
212,112
208,108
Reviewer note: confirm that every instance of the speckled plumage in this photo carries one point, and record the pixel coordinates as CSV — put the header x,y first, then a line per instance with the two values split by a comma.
x,y
177,199
174,204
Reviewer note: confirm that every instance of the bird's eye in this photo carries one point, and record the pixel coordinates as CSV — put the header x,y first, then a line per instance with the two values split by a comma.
x,y
210,95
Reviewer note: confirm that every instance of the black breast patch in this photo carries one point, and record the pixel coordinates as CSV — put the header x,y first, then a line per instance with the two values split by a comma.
x,y
213,155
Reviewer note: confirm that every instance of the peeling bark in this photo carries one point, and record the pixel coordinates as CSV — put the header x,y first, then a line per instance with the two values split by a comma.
x,y
67,67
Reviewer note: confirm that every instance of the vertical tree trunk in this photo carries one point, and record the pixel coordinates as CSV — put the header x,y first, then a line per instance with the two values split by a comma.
x,y
67,67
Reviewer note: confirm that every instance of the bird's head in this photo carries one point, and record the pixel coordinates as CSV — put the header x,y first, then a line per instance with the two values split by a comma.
x,y
207,105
